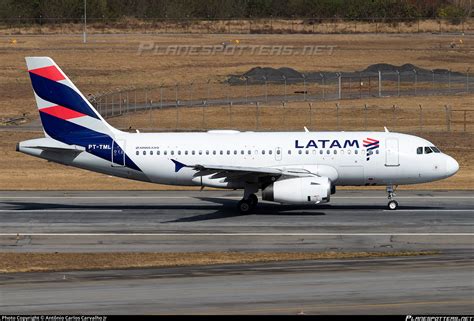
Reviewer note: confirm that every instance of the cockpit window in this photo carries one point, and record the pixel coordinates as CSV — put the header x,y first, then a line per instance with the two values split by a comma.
x,y
428,150
435,149
419,150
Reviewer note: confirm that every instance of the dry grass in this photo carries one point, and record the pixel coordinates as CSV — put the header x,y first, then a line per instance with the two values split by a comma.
x,y
132,25
42,262
108,62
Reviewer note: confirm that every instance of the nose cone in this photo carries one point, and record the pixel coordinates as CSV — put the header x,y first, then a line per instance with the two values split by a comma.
x,y
452,166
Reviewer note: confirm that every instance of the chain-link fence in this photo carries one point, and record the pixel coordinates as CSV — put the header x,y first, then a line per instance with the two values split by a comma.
x,y
296,115
312,88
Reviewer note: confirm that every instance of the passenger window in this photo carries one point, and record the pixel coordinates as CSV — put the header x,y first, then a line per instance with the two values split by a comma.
x,y
335,152
278,152
138,152
172,152
200,152
328,152
307,151
321,151
235,152
179,152
428,150
144,152
151,152
249,152
242,152
221,152
289,152
228,152
419,150
356,151
300,152
270,152
193,152
377,152
213,152
263,152
185,152
165,152
207,152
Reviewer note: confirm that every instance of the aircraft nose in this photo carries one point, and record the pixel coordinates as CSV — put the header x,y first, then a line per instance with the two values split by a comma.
x,y
452,166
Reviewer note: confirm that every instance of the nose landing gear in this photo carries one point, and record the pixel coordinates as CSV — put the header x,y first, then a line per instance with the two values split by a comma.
x,y
392,203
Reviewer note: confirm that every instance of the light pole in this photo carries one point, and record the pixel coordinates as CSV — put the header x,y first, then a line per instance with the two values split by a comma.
x,y
304,87
322,82
416,79
85,21
467,79
398,83
266,89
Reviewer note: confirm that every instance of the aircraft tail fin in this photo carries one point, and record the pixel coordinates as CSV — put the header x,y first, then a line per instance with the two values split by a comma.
x,y
65,113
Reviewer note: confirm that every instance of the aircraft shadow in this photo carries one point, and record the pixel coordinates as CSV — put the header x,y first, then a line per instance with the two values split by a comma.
x,y
227,208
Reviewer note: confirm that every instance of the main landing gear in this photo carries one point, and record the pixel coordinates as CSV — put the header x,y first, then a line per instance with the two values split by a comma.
x,y
392,204
247,205
250,200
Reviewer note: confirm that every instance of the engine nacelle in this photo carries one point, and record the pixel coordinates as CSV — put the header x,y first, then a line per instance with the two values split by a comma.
x,y
301,190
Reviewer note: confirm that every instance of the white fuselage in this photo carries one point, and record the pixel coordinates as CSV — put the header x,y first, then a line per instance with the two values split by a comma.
x,y
340,156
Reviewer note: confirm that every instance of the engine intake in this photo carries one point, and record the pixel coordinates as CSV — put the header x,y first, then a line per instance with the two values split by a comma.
x,y
301,190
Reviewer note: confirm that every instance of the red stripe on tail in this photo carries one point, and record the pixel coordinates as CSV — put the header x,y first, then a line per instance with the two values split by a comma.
x,y
50,72
62,112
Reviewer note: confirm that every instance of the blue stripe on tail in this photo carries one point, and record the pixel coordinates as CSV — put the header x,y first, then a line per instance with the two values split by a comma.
x,y
73,134
60,94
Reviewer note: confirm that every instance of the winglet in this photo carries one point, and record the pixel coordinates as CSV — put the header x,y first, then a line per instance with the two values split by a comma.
x,y
306,129
386,130
177,165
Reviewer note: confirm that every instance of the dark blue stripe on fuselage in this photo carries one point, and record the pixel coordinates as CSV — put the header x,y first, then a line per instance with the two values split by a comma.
x,y
96,143
60,94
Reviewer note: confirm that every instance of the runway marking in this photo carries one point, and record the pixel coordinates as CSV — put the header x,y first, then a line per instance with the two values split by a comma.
x,y
323,307
430,210
236,234
221,197
61,211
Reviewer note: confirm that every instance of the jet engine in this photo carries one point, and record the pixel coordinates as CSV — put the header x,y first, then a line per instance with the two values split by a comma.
x,y
301,190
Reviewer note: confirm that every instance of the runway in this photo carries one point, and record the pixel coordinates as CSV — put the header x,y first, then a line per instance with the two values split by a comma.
x,y
208,221
409,285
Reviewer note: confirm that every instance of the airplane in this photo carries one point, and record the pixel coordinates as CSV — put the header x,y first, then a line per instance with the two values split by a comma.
x,y
288,167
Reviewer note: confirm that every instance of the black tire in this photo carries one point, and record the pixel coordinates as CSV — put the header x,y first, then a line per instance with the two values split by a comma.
x,y
244,206
392,205
253,199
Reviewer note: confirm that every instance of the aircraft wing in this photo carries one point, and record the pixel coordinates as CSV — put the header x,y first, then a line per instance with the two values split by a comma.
x,y
239,172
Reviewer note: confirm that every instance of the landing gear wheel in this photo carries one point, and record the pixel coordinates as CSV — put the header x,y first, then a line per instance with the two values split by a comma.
x,y
253,199
244,206
392,205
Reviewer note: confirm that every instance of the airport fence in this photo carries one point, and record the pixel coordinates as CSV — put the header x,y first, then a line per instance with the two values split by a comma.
x,y
291,116
270,25
253,92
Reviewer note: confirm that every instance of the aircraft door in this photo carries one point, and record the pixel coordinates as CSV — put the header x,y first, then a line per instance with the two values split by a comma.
x,y
118,154
391,152
278,153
